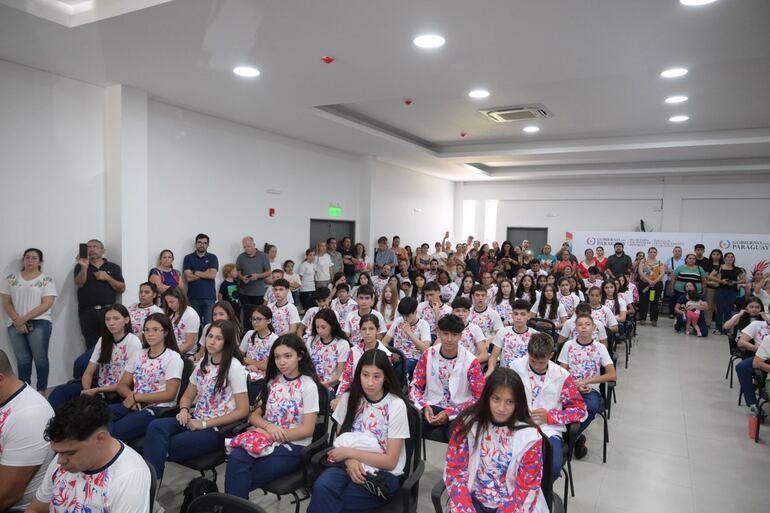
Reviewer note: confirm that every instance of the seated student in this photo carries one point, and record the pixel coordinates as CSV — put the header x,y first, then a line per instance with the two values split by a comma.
x,y
352,325
511,342
502,301
534,270
255,346
600,312
329,348
323,298
372,426
221,311
526,289
215,396
343,305
488,282
494,461
150,380
276,274
761,361
432,272
285,315
148,298
594,278
370,325
568,299
584,359
615,302
24,453
113,349
388,306
552,395
482,315
408,334
286,410
448,288
680,308
447,379
549,307
569,330
379,281
472,337
185,321
750,339
93,471
432,309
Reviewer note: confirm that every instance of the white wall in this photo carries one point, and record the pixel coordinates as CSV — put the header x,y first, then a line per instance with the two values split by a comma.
x,y
51,163
703,204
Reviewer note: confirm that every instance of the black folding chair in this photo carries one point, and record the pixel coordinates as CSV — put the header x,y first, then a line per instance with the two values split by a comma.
x,y
736,354
153,485
222,503
399,356
763,399
544,326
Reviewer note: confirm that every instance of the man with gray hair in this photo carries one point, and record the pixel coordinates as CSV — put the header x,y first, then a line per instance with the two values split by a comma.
x,y
24,453
253,267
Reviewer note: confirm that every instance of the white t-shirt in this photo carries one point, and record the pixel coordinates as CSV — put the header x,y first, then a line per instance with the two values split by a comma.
x,y
123,486
190,322
471,336
326,356
269,296
150,374
344,309
23,418
283,317
757,331
293,279
27,295
306,272
386,418
764,349
288,400
307,322
323,264
513,344
585,361
210,403
352,326
604,315
403,343
569,330
561,312
426,313
488,320
138,315
124,349
256,348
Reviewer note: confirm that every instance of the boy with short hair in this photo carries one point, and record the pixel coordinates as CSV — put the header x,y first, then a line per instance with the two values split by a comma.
x,y
276,274
343,305
409,333
511,342
447,379
569,330
352,325
285,315
584,358
482,315
472,338
379,281
322,300
594,278
432,309
554,398
534,269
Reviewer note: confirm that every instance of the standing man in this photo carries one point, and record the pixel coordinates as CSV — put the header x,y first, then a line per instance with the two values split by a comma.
x,y
619,263
200,270
253,267
99,282
336,256
401,254
384,255
348,265
701,260
671,264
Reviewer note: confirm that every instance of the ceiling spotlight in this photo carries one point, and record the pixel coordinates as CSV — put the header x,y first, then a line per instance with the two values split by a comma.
x,y
479,93
674,73
678,119
532,129
429,41
696,3
246,71
676,99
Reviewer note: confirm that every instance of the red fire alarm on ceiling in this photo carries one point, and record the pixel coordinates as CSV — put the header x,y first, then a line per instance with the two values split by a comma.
x,y
271,212
328,59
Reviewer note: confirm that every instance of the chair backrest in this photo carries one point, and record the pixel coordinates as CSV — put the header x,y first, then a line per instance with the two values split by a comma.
x,y
153,484
223,503
187,370
546,482
324,413
413,444
402,369
732,342
544,325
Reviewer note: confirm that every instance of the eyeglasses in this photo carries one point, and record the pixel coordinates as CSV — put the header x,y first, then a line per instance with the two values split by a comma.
x,y
257,319
152,330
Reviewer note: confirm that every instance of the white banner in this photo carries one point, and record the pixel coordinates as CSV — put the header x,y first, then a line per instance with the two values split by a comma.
x,y
752,251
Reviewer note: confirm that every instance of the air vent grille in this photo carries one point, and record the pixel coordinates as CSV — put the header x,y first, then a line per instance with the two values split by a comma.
x,y
516,113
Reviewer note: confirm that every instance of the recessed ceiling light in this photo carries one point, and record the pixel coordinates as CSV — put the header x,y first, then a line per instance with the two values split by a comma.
x,y
429,41
695,3
246,71
674,73
531,129
678,119
479,93
676,99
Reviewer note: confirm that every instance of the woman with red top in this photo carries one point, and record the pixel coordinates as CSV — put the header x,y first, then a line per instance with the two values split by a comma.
x,y
601,260
564,261
590,261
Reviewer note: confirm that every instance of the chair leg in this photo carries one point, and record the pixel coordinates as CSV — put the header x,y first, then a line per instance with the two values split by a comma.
x,y
566,495
296,502
729,364
571,481
628,352
740,397
424,451
606,440
732,369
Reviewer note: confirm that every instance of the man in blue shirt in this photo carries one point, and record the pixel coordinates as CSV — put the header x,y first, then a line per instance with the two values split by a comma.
x,y
200,269
384,255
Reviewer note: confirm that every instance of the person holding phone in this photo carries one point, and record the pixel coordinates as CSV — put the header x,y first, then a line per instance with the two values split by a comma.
x,y
27,298
253,267
99,282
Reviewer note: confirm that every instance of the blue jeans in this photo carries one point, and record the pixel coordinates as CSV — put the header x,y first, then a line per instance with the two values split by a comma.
x,y
32,346
557,458
203,307
64,393
128,424
81,362
725,301
167,440
334,492
246,473
744,370
593,401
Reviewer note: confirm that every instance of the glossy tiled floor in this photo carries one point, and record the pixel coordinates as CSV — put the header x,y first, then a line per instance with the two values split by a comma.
x,y
678,441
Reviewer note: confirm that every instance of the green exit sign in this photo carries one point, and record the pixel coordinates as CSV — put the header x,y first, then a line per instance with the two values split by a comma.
x,y
334,211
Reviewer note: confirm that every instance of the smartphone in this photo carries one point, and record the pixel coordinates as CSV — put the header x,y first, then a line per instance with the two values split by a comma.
x,y
83,250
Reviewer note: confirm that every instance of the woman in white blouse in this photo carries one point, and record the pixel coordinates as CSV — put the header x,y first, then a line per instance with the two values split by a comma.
x,y
27,299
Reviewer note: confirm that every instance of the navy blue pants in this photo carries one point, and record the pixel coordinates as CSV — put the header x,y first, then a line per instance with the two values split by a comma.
x,y
167,440
593,401
128,424
246,473
557,455
427,428
81,362
745,370
334,492
64,393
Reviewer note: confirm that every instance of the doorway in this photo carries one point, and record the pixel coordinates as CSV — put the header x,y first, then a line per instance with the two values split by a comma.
x,y
322,229
537,237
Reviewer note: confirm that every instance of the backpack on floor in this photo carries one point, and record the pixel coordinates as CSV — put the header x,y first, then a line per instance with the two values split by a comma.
x,y
195,488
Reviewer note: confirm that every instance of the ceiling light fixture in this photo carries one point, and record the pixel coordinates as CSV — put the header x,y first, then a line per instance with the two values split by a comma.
x,y
676,99
429,41
532,129
246,71
674,73
678,119
479,93
696,3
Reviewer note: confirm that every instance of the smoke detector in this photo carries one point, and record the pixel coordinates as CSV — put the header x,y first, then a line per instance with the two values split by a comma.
x,y
517,113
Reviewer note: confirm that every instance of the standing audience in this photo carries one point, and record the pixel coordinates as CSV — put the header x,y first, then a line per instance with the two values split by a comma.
x,y
200,269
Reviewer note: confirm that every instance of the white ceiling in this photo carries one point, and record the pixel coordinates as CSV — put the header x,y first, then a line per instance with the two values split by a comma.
x,y
593,63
